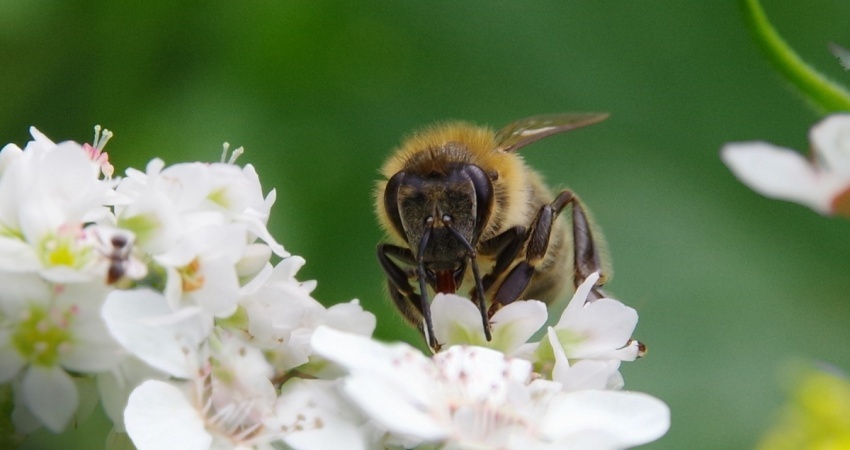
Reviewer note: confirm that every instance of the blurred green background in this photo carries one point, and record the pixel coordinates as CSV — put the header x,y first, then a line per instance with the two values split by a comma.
x,y
732,288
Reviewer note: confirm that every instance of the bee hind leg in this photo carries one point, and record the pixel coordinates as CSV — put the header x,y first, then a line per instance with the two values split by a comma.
x,y
585,249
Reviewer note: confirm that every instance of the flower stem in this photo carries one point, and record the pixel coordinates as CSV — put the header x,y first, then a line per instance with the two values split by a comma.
x,y
825,95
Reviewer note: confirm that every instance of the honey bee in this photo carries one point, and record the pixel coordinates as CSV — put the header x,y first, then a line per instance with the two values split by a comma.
x,y
456,196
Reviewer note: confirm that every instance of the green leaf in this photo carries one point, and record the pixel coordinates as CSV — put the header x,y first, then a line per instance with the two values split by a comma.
x,y
825,95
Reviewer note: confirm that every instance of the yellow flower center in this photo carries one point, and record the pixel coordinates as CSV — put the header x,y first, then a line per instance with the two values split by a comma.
x,y
191,276
43,334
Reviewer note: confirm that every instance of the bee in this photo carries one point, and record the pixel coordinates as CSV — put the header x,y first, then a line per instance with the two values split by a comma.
x,y
464,213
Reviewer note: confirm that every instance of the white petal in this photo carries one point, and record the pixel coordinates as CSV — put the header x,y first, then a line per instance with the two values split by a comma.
x,y
831,143
160,417
8,155
562,364
356,352
603,325
589,374
351,317
40,138
456,321
782,174
334,434
253,260
17,256
51,396
392,409
11,361
140,321
94,349
400,368
220,291
116,385
514,324
311,402
258,228
23,419
576,304
607,419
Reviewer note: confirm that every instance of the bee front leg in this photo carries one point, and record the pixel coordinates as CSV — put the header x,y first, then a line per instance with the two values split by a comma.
x,y
411,304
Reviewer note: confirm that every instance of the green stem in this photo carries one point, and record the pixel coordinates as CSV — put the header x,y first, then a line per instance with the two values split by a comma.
x,y
824,95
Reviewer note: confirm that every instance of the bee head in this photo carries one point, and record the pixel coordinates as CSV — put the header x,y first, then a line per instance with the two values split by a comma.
x,y
441,214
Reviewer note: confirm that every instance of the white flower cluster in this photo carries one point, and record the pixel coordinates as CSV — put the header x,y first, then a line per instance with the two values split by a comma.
x,y
156,294
511,392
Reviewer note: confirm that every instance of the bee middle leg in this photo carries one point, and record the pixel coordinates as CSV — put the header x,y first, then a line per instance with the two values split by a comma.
x,y
586,257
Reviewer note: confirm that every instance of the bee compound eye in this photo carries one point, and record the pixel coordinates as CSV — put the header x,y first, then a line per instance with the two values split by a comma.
x,y
447,218
429,220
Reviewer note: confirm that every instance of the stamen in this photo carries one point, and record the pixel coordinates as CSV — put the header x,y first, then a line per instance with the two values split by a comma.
x,y
233,156
101,138
224,148
236,154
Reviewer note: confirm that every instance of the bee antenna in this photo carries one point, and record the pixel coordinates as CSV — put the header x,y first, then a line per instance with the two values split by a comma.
x,y
479,286
423,290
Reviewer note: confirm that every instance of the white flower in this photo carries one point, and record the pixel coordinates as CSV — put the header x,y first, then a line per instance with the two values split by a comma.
x,y
282,315
821,183
49,191
457,320
583,373
474,397
166,203
44,337
598,329
47,185
201,269
227,402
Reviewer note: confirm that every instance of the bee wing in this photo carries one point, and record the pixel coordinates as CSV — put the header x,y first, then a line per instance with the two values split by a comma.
x,y
525,131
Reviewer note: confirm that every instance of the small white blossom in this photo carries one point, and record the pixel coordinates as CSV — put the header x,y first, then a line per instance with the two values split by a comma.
x,y
164,204
47,336
821,182
49,193
282,315
227,401
457,320
201,269
599,329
